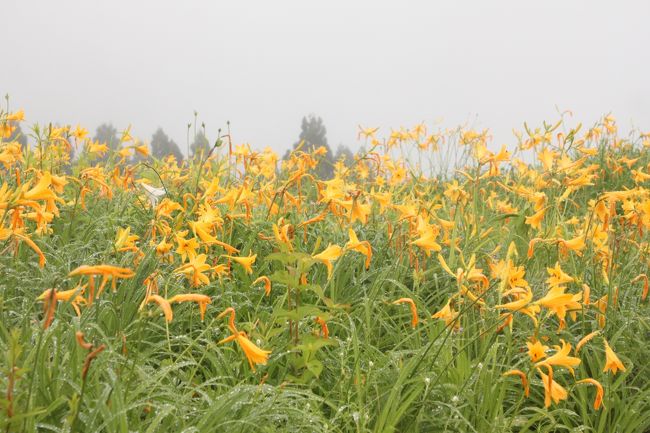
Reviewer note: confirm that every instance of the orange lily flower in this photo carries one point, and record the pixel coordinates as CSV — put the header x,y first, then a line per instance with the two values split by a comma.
x,y
164,306
194,269
202,300
107,272
254,354
246,262
324,330
414,310
41,191
447,314
612,363
522,376
267,283
598,401
535,221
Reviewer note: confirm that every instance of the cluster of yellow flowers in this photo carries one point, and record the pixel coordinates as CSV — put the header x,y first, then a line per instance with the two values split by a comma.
x,y
496,202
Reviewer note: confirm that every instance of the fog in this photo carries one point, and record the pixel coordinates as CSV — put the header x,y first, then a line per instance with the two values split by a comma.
x,y
264,65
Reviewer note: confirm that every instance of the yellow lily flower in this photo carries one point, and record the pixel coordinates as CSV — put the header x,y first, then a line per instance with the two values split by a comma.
x,y
552,390
536,350
327,256
561,358
194,269
246,262
362,247
612,363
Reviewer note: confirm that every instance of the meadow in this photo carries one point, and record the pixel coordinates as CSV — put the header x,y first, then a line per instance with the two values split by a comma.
x,y
438,282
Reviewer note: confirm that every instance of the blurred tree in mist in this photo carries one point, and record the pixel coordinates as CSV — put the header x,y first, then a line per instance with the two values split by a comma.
x,y
19,136
162,146
314,135
200,144
107,133
344,152
137,156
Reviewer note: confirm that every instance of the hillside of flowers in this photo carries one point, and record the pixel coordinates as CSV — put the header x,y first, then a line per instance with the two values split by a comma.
x,y
437,282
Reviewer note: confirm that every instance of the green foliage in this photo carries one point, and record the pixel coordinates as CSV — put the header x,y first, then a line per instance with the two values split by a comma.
x,y
374,374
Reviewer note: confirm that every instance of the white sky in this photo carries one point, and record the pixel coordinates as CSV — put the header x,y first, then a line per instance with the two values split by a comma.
x,y
263,65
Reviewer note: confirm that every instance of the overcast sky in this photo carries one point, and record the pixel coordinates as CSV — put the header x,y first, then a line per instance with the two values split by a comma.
x,y
264,64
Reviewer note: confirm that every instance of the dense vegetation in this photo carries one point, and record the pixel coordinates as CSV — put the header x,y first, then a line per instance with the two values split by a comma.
x,y
224,293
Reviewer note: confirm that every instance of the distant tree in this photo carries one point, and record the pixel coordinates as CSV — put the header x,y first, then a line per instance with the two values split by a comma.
x,y
200,144
19,136
313,135
137,156
344,152
162,146
107,133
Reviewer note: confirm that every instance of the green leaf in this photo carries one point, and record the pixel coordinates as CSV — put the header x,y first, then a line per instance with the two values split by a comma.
x,y
299,313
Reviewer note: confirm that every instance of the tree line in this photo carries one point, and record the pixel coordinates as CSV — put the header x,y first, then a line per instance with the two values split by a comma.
x,y
313,135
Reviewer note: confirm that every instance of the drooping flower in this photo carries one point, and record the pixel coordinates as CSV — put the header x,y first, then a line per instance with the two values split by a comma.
x,y
598,401
73,296
552,390
522,376
414,309
267,283
31,244
201,300
107,272
254,354
612,363
585,339
164,306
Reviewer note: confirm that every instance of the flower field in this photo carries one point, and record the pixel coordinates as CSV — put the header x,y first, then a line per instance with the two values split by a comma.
x,y
434,283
